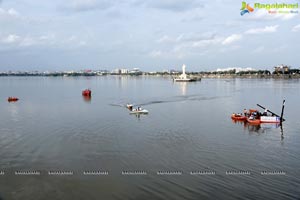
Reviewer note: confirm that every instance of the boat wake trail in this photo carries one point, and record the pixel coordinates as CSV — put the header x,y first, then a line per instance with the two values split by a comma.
x,y
154,102
182,99
172,100
117,105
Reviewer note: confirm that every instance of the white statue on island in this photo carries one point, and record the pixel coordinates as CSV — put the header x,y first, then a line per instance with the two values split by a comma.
x,y
183,77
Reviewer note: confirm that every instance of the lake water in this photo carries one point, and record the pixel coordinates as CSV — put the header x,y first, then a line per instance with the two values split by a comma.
x,y
187,147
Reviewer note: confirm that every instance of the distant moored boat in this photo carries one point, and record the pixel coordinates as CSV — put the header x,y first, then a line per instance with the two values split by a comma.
x,y
87,93
256,118
12,99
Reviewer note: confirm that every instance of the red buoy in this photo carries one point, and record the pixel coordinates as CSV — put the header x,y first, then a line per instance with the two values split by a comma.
x,y
87,93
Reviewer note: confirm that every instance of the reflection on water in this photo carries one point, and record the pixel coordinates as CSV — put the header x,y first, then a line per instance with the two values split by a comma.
x,y
183,87
259,128
254,128
139,115
281,131
87,99
14,111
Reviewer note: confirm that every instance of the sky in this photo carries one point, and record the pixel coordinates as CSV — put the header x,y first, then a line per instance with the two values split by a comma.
x,y
152,35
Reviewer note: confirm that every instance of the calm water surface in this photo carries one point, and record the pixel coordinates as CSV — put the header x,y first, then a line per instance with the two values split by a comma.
x,y
188,129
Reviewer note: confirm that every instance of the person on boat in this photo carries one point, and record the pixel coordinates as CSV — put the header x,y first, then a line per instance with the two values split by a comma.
x,y
129,106
245,112
265,113
255,115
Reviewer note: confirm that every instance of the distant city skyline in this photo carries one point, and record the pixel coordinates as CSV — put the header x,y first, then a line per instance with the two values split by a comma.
x,y
152,35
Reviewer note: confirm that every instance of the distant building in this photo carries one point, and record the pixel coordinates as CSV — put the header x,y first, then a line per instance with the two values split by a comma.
x,y
235,69
282,69
135,71
173,71
116,71
124,71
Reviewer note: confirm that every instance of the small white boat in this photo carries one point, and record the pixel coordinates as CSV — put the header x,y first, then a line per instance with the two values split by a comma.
x,y
139,111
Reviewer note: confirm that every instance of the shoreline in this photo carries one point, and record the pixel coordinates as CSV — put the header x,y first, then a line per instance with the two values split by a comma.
x,y
259,76
198,76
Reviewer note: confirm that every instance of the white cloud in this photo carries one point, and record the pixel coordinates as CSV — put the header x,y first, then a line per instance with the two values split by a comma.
x,y
296,28
28,41
12,13
152,29
187,38
15,19
10,39
47,37
186,45
207,42
175,53
267,29
171,5
166,54
49,40
193,17
86,5
195,37
166,39
229,48
231,39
